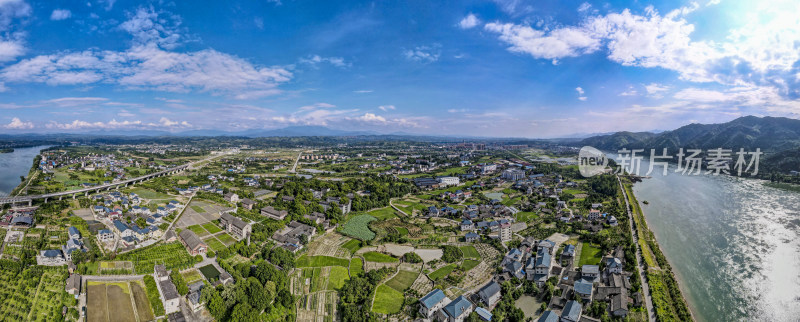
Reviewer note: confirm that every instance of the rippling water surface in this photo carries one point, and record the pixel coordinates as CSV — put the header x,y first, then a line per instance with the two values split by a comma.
x,y
15,164
731,242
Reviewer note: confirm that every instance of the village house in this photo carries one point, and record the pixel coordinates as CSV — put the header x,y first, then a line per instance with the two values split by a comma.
x,y
432,302
237,227
73,285
232,197
271,212
571,312
490,294
248,204
457,310
193,244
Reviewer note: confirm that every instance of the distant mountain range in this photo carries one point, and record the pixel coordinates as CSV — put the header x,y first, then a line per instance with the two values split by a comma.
x,y
778,137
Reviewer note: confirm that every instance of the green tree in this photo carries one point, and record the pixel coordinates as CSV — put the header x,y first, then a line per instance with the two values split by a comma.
x,y
179,282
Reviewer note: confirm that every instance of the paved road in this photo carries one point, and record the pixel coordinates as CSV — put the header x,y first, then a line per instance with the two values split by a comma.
x,y
296,161
648,301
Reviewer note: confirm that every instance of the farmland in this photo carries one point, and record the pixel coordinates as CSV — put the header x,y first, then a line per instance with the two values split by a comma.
x,y
590,255
321,261
356,266
442,272
172,255
383,213
352,245
379,257
403,280
470,252
358,227
117,301
387,300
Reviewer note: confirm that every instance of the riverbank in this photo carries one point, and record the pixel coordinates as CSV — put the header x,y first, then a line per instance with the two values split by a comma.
x,y
23,162
668,300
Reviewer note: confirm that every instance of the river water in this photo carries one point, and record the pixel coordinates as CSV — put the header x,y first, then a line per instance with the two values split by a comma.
x,y
732,244
15,164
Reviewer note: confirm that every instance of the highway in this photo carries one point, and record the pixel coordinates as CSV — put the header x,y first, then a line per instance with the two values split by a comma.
x,y
29,198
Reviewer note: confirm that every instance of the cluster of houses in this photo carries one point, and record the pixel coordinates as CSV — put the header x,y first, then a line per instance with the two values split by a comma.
x,y
436,306
290,236
532,261
57,257
205,188
123,211
590,283
19,217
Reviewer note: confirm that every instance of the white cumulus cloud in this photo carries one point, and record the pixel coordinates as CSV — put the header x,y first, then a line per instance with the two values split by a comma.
x,y
60,14
17,124
469,21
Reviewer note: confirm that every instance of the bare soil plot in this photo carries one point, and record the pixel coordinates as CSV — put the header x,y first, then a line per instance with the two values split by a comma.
x,y
84,213
117,301
191,216
329,245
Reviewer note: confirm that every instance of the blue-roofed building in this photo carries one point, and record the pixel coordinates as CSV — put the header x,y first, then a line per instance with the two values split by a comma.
x,y
466,224
548,316
432,302
471,237
74,233
571,312
583,289
484,314
545,245
568,255
51,257
122,229
105,235
457,310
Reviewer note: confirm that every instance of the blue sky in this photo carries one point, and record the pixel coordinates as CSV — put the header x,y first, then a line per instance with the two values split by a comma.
x,y
508,68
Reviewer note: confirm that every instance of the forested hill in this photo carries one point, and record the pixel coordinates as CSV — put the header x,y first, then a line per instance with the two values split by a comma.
x,y
771,134
777,137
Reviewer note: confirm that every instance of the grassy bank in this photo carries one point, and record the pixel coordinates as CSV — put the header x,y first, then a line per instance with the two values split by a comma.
x,y
783,186
669,303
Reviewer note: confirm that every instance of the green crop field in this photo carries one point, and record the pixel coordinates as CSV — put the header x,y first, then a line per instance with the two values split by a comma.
x,y
383,213
403,280
337,277
212,228
358,227
199,230
387,300
470,252
214,243
352,245
379,257
172,255
356,266
150,194
442,272
469,264
590,255
192,276
321,261
226,239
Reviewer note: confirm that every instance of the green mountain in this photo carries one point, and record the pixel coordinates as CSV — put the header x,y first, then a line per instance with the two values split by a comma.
x,y
777,137
771,134
616,140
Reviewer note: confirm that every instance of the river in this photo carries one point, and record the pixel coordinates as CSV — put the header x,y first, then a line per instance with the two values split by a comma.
x,y
732,244
16,164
